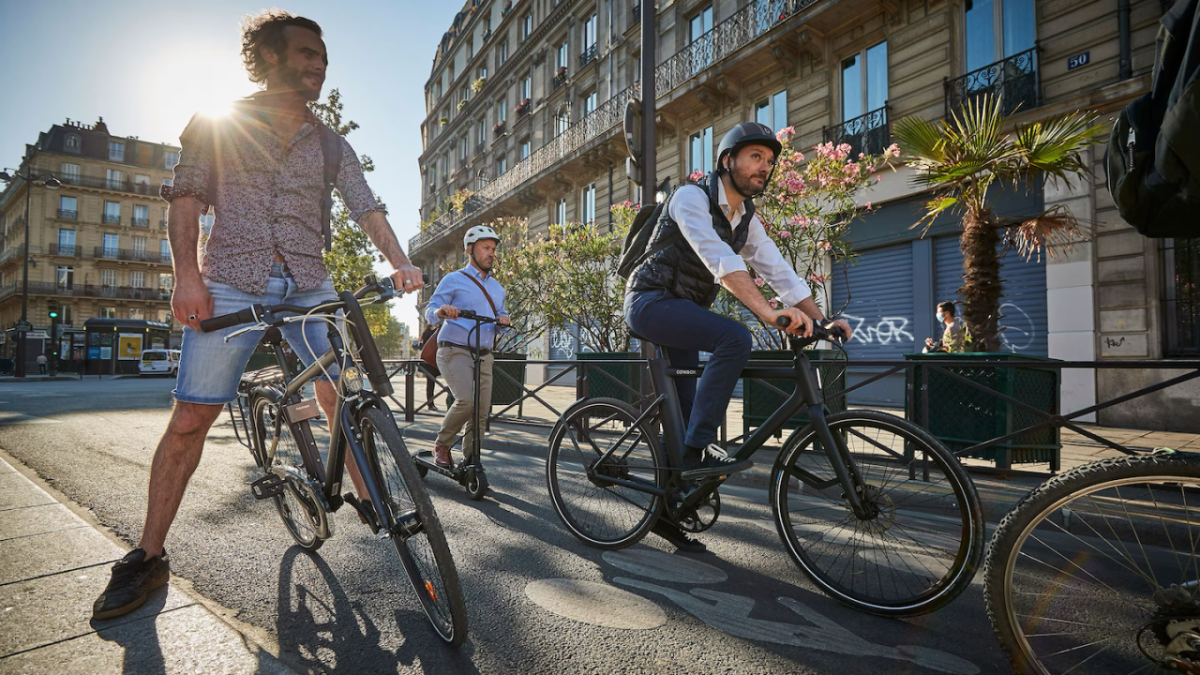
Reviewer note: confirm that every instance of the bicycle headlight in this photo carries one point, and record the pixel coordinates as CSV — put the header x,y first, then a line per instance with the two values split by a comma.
x,y
352,380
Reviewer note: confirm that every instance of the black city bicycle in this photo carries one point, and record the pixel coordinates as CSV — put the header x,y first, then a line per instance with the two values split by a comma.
x,y
470,472
1098,570
875,510
304,490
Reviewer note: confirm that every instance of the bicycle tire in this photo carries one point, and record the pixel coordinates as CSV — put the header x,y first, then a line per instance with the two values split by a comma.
x,y
648,466
292,504
424,553
936,550
1067,509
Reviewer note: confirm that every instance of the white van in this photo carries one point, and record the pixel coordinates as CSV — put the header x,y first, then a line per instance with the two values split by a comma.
x,y
159,362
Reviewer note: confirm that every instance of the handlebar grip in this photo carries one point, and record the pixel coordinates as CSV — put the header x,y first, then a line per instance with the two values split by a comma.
x,y
783,321
467,314
227,320
424,278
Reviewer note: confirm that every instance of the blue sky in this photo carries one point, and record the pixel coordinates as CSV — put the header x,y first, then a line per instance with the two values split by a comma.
x,y
147,66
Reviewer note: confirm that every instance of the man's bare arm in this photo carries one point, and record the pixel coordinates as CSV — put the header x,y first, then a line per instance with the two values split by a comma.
x,y
380,232
190,301
742,286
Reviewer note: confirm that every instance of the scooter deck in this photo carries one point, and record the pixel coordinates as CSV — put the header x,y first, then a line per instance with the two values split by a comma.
x,y
425,458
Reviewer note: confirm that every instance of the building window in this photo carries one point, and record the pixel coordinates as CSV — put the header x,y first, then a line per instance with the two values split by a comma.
x,y
108,277
170,160
136,313
526,88
587,204
998,29
562,56
772,111
112,213
700,24
590,102
501,166
526,26
141,215
137,279
465,93
1181,271
525,148
72,143
589,33
108,312
139,248
114,179
116,151
64,279
700,152
864,82
481,134
164,316
501,54
560,212
164,250
66,242
69,173
68,208
112,244
562,120
66,315
470,49
700,39
462,149
501,110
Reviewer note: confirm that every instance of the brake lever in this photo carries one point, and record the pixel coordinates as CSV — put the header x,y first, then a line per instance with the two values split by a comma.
x,y
247,329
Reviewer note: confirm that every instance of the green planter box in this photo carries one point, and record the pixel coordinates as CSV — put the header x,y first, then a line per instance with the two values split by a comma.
x,y
506,391
259,360
598,384
760,401
961,415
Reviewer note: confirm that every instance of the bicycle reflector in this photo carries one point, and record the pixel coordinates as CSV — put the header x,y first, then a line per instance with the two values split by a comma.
x,y
352,380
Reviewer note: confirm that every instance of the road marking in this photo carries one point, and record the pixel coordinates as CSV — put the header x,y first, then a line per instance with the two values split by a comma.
x,y
597,604
19,418
654,564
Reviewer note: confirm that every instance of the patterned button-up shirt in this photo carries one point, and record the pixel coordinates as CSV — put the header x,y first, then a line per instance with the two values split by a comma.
x,y
268,197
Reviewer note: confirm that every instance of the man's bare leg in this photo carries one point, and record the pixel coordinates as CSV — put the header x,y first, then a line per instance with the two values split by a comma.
x,y
327,397
175,460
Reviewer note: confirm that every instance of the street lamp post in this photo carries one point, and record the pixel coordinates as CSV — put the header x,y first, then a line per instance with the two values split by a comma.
x,y
23,326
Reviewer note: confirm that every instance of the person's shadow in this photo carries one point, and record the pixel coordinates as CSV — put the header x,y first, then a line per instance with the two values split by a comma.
x,y
138,636
320,629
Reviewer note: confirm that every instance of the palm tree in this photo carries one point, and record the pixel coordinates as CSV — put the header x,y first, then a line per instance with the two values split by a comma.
x,y
962,157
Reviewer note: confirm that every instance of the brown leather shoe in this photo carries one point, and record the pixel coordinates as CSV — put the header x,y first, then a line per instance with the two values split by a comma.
x,y
441,455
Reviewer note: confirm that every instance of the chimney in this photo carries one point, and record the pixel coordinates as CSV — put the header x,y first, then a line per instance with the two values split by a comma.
x,y
101,126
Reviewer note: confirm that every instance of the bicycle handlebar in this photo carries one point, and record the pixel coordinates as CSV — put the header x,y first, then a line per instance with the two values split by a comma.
x,y
819,332
475,316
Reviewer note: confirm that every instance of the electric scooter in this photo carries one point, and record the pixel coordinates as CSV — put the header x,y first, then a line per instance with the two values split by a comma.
x,y
470,473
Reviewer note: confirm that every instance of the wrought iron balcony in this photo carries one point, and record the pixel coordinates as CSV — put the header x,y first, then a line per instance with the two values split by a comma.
x,y
67,214
561,78
110,219
1015,81
129,254
869,133
140,222
69,250
95,291
162,224
122,185
587,56
637,12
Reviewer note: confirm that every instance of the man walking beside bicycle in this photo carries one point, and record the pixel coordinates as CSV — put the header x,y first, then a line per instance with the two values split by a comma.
x,y
471,288
263,169
669,294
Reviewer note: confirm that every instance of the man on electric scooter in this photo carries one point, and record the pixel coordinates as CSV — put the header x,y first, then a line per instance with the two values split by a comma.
x,y
470,288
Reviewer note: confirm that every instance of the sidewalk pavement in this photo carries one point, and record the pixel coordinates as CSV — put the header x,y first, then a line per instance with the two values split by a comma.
x,y
53,564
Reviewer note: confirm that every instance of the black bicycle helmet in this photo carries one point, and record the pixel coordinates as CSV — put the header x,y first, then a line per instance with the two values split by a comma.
x,y
748,133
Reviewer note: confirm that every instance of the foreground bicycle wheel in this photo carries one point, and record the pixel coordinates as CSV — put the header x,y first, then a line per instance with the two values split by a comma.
x,y
920,548
418,534
1096,570
295,509
598,512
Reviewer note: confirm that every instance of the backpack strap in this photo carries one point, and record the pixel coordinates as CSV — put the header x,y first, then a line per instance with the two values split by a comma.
x,y
331,152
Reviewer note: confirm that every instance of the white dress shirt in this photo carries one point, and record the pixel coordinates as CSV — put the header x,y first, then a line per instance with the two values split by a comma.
x,y
690,209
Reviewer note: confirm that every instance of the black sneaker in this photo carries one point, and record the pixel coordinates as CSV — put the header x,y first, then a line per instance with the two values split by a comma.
x,y
133,577
714,462
677,537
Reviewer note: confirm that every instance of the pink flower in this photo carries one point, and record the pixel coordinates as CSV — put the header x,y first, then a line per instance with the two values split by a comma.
x,y
868,205
785,134
870,169
696,176
774,303
826,245
878,178
785,234
893,150
759,282
818,278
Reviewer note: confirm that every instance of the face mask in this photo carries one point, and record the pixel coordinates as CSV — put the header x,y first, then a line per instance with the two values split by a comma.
x,y
940,316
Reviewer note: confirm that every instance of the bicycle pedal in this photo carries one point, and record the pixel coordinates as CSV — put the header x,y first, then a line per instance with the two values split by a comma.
x,y
365,511
268,486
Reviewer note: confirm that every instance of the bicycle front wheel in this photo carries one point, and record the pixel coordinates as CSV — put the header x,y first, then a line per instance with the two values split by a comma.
x,y
922,541
418,534
1096,570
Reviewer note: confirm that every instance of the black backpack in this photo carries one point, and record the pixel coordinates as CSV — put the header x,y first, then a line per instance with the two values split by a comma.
x,y
1153,156
635,249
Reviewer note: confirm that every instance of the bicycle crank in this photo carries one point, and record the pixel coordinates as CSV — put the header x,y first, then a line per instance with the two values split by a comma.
x,y
702,517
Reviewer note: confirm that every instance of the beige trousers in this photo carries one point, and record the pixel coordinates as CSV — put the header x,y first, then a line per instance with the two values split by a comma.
x,y
458,367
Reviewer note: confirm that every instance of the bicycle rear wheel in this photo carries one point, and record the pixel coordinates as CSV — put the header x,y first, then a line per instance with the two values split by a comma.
x,y
922,545
1079,575
296,509
597,511
418,534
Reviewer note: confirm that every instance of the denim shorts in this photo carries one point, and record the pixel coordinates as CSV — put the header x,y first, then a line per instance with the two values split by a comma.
x,y
210,368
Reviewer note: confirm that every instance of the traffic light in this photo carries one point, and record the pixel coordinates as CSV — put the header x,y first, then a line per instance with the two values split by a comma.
x,y
53,310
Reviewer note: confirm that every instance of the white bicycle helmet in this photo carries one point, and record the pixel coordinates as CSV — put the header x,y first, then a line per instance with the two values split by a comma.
x,y
479,233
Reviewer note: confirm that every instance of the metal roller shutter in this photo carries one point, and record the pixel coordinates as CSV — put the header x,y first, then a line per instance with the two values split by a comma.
x,y
1022,305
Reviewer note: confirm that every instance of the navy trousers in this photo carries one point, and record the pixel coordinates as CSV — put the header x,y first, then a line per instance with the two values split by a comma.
x,y
684,329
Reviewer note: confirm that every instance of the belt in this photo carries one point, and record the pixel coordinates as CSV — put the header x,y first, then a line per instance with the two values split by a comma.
x,y
443,343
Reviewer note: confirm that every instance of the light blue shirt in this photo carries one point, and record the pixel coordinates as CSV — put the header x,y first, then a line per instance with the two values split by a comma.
x,y
456,289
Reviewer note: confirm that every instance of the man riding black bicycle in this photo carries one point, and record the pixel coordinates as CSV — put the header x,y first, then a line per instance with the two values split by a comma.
x,y
668,295
263,168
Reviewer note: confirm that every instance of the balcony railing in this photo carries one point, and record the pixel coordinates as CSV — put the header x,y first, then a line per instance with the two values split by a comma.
x,y
89,291
162,224
67,214
587,56
139,222
727,37
560,79
128,254
111,219
1015,81
69,250
15,252
637,12
869,133
122,185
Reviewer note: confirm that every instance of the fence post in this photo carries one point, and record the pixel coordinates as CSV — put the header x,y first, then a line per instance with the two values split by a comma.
x,y
409,394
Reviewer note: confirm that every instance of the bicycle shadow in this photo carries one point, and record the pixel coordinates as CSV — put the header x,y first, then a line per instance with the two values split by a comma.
x,y
321,630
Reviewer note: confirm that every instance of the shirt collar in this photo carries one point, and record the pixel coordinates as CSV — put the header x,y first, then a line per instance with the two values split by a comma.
x,y
470,269
253,104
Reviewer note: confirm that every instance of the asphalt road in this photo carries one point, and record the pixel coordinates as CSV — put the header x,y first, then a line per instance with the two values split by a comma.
x,y
741,608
